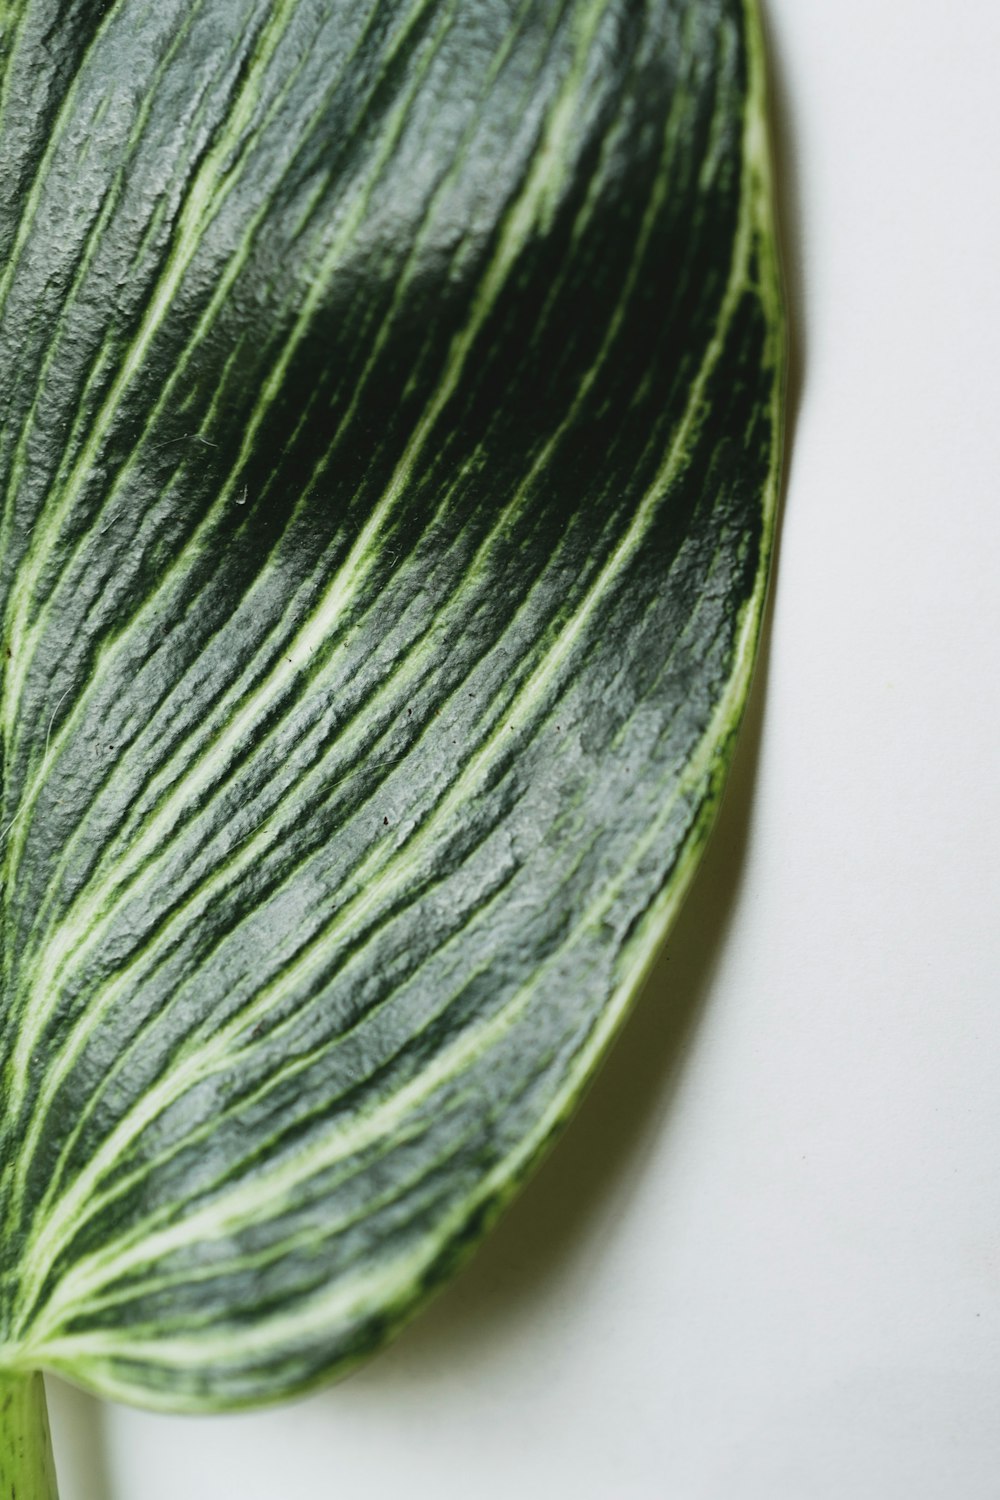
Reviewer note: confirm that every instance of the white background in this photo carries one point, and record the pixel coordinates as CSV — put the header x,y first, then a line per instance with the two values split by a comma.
x,y
764,1263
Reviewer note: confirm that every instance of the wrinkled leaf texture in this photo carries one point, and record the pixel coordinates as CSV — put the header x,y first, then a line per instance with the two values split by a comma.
x,y
390,397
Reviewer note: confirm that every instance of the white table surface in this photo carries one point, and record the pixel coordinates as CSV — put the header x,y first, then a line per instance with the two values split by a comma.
x,y
764,1263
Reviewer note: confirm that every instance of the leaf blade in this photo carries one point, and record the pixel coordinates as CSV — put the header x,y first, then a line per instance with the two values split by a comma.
x,y
292,938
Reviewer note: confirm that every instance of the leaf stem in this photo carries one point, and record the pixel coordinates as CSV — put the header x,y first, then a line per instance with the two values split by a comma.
x,y
27,1471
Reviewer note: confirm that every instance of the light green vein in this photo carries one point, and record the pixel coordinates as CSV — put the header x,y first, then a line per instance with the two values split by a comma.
x,y
11,35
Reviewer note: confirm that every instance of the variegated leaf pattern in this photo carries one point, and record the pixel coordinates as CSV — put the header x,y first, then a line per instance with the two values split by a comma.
x,y
389,423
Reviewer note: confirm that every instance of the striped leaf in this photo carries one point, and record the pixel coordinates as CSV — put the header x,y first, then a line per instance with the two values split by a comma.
x,y
390,400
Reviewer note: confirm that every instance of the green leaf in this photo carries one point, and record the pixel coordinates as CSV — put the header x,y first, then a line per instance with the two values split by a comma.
x,y
390,399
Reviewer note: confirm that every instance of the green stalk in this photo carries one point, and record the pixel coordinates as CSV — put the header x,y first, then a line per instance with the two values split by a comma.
x,y
27,1471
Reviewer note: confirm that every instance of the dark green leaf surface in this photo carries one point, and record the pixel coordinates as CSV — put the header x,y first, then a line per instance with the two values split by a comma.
x,y
389,409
